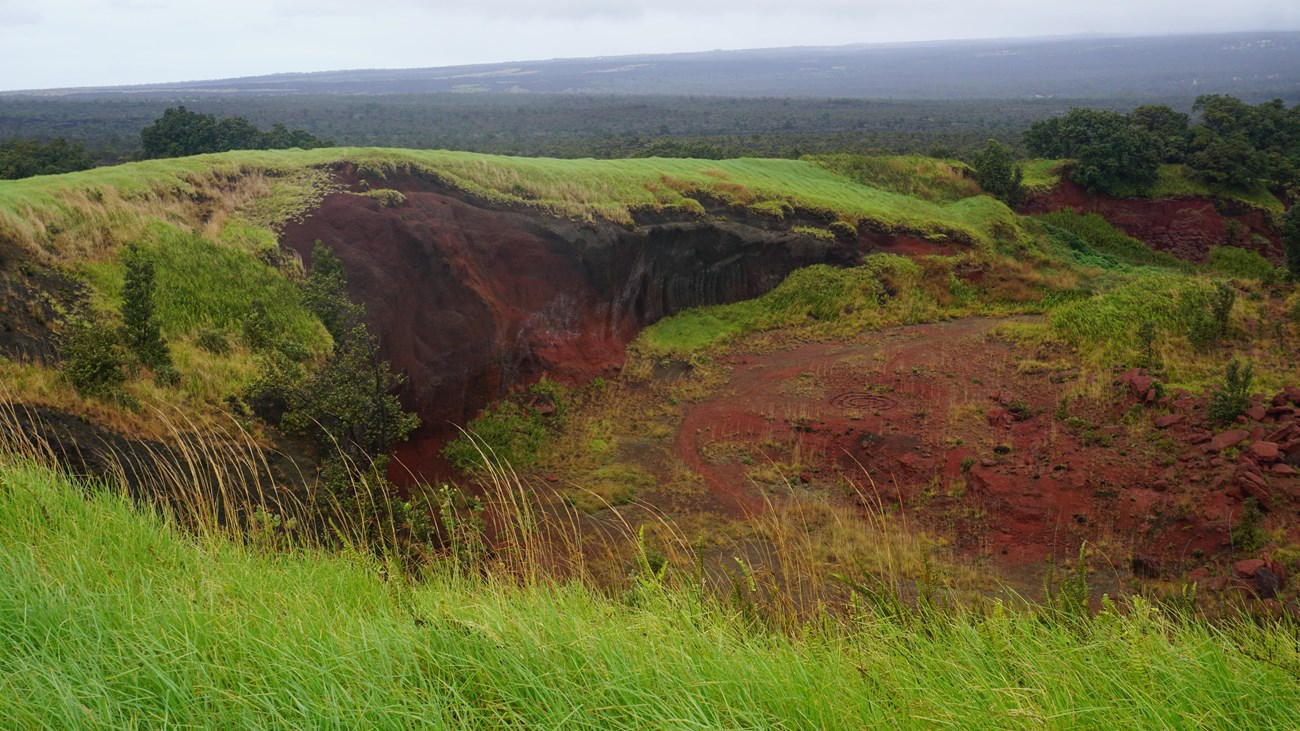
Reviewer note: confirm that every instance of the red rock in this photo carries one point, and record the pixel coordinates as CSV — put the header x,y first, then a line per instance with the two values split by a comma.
x,y
1279,570
1168,420
1199,437
1278,411
1138,382
1280,399
1255,413
1284,470
1247,568
1230,438
1280,435
1198,575
1252,485
1000,417
1264,451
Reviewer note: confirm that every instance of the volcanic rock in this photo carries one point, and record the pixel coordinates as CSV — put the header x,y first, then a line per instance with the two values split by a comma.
x,y
1168,420
1230,438
1264,451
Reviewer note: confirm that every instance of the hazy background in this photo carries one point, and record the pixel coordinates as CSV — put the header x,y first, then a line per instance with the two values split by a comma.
x,y
60,43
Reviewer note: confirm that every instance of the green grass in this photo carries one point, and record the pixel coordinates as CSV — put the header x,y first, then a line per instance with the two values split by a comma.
x,y
1095,241
1237,262
824,301
926,178
1042,175
115,619
204,286
1175,181
609,189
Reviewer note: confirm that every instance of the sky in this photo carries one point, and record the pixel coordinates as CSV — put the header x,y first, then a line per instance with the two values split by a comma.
x,y
63,43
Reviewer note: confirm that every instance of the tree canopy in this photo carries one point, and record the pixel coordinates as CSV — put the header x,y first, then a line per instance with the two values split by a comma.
x,y
25,158
180,132
1232,144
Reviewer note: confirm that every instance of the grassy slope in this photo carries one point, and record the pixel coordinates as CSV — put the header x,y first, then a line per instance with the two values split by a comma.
x,y
582,188
112,618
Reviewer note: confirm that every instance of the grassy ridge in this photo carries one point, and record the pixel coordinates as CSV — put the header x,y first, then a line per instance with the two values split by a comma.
x,y
608,189
114,619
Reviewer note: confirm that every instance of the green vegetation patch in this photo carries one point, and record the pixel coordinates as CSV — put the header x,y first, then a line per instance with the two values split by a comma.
x,y
115,619
1090,234
926,178
1237,262
1042,175
1177,181
203,287
825,301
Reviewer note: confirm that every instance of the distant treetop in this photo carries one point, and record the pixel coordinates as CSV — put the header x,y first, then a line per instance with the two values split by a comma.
x,y
180,132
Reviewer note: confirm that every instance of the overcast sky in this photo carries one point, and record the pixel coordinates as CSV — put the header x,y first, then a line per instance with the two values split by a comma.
x,y
56,43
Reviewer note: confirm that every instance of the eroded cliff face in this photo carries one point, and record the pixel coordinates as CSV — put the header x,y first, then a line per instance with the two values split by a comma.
x,y
1184,227
469,300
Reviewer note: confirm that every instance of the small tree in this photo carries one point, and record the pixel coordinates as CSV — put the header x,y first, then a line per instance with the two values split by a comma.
x,y
997,173
1233,396
1291,240
140,329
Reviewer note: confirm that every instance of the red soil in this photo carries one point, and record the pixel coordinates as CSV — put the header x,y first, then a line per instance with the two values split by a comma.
x,y
940,420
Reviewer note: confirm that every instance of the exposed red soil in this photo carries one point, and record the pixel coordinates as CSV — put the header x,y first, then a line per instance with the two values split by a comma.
x,y
941,420
470,300
1184,227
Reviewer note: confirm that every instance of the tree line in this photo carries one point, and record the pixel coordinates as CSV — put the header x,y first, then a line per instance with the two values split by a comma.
x,y
1231,144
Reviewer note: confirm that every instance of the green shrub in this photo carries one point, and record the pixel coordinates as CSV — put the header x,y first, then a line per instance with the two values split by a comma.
x,y
1232,398
1146,336
1291,240
212,340
94,360
510,432
1238,262
1246,535
843,229
140,327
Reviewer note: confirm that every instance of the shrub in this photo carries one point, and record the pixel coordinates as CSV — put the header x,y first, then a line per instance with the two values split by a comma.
x,y
1238,262
1246,535
510,432
1291,240
843,229
1232,398
212,340
94,360
1146,336
997,173
140,328
1221,302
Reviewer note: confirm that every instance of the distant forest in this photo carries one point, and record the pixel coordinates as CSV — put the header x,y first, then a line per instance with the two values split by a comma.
x,y
947,98
564,125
